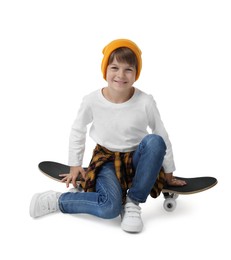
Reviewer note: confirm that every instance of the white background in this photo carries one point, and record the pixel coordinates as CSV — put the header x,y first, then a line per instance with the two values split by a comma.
x,y
50,57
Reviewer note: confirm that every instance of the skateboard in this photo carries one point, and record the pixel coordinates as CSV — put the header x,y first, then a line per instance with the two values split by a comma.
x,y
171,193
194,185
54,169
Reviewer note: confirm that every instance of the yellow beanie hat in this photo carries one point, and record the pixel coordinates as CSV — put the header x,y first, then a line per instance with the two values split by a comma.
x,y
108,49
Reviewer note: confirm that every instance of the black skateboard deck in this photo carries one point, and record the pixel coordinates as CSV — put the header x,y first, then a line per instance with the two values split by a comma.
x,y
194,185
54,169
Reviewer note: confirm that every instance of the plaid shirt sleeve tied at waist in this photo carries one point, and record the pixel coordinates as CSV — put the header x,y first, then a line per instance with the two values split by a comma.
x,y
123,169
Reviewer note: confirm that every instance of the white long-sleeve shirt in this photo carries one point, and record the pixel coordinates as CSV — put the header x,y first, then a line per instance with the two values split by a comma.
x,y
118,127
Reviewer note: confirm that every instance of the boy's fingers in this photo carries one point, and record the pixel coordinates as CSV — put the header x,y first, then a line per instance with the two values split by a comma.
x,y
67,182
83,173
63,174
74,183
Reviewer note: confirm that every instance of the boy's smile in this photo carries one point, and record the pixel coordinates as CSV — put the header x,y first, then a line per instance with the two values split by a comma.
x,y
120,75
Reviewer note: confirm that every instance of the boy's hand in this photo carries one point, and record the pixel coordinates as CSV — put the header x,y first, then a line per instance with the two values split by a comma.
x,y
72,176
172,181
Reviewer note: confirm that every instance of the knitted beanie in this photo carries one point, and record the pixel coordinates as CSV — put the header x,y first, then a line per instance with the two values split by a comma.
x,y
108,49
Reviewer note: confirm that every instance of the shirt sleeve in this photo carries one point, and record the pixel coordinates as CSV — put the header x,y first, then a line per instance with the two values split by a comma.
x,y
157,127
78,133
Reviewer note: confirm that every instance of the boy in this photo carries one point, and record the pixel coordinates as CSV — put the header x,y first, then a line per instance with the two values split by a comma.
x,y
127,160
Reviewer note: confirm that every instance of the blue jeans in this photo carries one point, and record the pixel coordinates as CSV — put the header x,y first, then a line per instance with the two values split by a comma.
x,y
106,201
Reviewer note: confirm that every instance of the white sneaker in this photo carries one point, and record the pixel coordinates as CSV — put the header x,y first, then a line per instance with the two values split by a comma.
x,y
44,203
131,219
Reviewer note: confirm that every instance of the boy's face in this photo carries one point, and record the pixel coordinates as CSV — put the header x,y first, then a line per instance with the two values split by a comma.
x,y
120,76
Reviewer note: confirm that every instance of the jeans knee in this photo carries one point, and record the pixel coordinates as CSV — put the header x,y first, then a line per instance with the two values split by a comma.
x,y
156,142
110,210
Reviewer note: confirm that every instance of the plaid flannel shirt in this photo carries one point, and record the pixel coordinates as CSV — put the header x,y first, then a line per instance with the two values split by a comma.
x,y
123,169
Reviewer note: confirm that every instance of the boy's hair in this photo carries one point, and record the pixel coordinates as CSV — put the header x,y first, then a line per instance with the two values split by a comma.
x,y
125,55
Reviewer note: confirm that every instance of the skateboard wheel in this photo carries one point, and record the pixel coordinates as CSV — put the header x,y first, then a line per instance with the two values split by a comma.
x,y
169,204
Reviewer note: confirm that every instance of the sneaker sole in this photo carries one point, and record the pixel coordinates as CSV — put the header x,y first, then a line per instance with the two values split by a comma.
x,y
131,229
